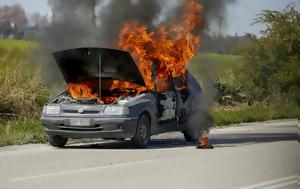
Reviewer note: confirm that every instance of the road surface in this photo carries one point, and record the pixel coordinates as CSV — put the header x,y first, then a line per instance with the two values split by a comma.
x,y
248,156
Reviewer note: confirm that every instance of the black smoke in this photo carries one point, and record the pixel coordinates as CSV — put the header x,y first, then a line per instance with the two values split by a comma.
x,y
114,14
82,23
96,23
214,10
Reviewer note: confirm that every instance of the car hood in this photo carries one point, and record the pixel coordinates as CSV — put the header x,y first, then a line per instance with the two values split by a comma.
x,y
87,62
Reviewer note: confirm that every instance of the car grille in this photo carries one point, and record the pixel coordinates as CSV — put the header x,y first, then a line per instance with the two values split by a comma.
x,y
84,112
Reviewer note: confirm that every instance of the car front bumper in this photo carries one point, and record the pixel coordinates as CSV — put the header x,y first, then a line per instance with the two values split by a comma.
x,y
90,127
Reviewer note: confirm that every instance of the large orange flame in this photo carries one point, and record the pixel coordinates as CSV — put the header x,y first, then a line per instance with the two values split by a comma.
x,y
170,48
86,90
82,90
165,52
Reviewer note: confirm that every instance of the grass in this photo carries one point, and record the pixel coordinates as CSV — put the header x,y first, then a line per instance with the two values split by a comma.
x,y
9,44
216,61
219,59
21,131
255,113
212,65
22,92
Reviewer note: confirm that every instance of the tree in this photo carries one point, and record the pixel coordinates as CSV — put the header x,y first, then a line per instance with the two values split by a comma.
x,y
12,20
272,62
36,20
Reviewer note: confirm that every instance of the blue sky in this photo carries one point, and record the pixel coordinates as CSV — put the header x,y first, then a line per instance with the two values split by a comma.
x,y
240,14
30,6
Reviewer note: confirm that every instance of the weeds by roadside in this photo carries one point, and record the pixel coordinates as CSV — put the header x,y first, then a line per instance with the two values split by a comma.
x,y
255,113
22,92
21,131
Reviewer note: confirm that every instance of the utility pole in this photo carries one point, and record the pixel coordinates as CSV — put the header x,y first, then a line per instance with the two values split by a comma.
x,y
220,20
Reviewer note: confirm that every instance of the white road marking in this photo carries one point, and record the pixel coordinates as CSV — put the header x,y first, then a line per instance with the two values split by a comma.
x,y
282,184
273,184
75,171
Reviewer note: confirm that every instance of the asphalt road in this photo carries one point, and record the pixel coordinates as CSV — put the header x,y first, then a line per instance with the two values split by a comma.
x,y
249,156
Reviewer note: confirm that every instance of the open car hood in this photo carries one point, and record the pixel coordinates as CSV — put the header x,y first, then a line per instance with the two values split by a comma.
x,y
87,62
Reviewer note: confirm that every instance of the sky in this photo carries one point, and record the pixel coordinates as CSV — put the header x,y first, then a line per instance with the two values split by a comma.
x,y
240,14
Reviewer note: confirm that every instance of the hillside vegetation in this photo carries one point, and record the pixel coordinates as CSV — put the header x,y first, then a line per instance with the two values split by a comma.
x,y
22,94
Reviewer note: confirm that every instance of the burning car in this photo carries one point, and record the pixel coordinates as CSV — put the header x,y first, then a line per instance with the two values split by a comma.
x,y
141,90
108,97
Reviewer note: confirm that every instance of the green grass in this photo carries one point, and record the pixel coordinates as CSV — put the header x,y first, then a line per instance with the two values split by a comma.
x,y
22,92
220,61
212,64
21,44
21,131
255,113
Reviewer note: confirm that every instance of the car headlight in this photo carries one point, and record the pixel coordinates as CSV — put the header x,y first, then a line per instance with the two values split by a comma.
x,y
116,110
51,110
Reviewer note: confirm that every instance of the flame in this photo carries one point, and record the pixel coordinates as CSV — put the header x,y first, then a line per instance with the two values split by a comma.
x,y
86,90
127,86
166,50
82,90
108,99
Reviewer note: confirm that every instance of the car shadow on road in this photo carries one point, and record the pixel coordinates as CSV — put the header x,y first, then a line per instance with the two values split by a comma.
x,y
250,138
219,140
154,144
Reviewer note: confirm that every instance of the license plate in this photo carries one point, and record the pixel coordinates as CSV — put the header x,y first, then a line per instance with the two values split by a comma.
x,y
79,122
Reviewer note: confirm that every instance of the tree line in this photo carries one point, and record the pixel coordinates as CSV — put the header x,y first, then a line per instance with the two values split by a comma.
x,y
14,22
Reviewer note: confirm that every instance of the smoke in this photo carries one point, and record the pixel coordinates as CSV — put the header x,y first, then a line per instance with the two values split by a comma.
x,y
88,23
201,121
116,13
214,10
72,25
97,23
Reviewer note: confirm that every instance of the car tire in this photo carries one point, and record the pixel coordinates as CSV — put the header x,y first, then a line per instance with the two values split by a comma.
x,y
57,141
143,132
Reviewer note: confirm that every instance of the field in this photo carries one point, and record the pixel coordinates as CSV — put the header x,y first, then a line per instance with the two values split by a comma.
x,y
21,131
219,60
8,44
22,93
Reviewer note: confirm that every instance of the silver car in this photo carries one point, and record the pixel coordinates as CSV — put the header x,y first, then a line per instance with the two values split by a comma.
x,y
130,116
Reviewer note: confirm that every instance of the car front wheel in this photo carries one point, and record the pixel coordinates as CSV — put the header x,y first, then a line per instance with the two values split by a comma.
x,y
143,132
57,141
